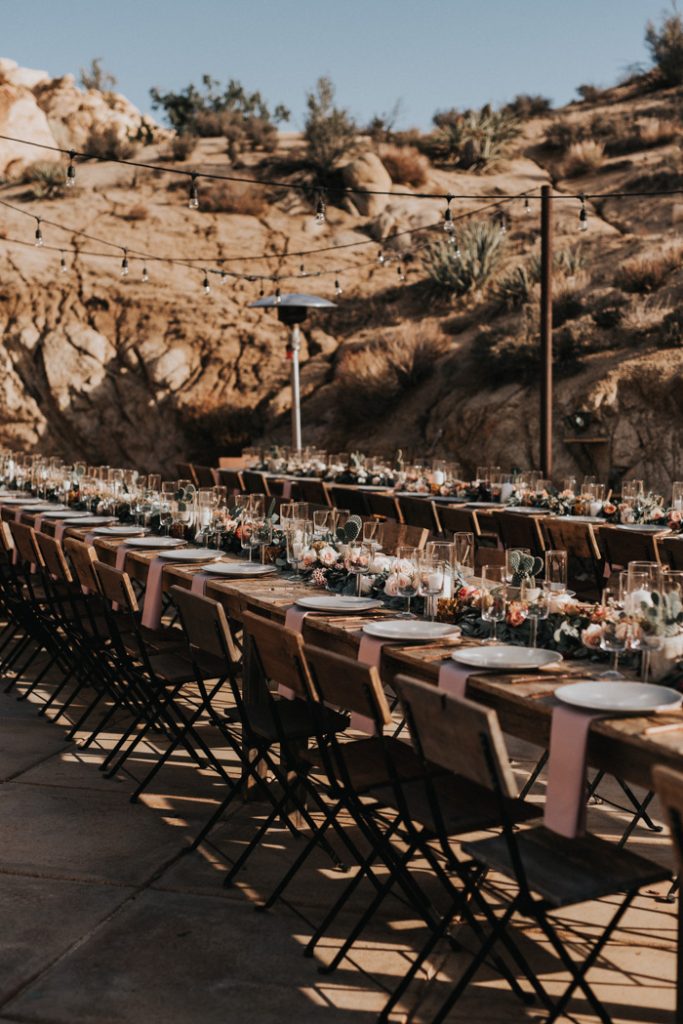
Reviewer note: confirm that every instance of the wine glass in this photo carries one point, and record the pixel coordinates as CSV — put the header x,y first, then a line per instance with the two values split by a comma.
x,y
323,523
263,534
431,578
493,597
406,570
166,516
372,533
535,601
153,480
556,570
616,629
357,559
298,534
464,553
247,539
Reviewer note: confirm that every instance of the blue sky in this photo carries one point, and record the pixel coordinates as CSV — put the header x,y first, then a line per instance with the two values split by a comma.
x,y
431,55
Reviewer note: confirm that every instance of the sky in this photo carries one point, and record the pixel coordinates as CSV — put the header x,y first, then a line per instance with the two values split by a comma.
x,y
429,54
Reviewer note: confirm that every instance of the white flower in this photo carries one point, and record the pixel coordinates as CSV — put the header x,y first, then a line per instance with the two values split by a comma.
x,y
391,585
365,585
592,635
380,563
404,565
309,557
566,629
328,556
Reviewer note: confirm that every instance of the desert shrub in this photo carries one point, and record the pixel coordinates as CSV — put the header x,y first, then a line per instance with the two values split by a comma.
x,y
589,93
630,136
469,266
409,137
671,331
514,289
570,260
48,178
214,110
183,145
524,106
607,317
231,197
647,272
375,376
95,77
329,131
106,144
561,134
137,212
666,47
382,127
567,303
642,317
583,157
405,164
472,138
505,359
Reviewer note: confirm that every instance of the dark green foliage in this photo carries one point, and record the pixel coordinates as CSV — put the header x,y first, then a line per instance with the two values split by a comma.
x,y
666,47
330,131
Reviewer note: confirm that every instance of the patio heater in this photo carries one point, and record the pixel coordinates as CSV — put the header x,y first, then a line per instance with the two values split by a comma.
x,y
292,310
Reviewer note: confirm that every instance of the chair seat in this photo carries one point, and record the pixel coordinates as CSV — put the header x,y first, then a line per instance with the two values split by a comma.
x,y
366,763
296,720
175,666
566,871
464,806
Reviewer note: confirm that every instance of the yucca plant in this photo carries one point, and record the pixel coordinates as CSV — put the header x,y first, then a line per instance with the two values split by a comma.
x,y
469,265
475,138
514,288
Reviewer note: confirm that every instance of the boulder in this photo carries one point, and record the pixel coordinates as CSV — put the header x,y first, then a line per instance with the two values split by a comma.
x,y
367,171
21,117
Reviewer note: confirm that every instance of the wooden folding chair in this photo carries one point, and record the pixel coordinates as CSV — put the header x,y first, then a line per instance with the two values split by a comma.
x,y
314,491
520,531
396,535
585,564
383,505
255,483
204,475
420,512
668,785
230,479
347,497
619,547
670,551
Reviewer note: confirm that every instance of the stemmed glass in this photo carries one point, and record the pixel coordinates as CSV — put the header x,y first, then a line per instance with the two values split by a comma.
x,y
616,630
357,559
298,533
464,553
431,576
535,602
556,570
166,516
324,521
493,597
406,570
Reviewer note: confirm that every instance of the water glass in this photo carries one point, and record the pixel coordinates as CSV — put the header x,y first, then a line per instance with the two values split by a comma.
x,y
357,560
406,569
494,597
556,570
298,534
677,495
535,601
432,573
464,553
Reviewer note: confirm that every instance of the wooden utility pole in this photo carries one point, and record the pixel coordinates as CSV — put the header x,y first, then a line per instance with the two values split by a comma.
x,y
546,431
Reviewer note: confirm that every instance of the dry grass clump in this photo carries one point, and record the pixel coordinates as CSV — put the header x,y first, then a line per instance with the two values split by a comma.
x,y
137,212
48,178
230,197
370,379
182,146
469,265
642,317
405,164
568,299
582,158
648,272
106,144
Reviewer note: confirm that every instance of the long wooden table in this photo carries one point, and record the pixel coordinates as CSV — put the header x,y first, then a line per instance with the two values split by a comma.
x,y
524,703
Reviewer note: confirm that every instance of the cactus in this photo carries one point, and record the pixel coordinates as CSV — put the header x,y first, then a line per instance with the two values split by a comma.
x,y
524,567
350,531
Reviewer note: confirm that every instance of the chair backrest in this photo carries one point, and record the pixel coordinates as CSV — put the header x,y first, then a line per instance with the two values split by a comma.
x,y
232,462
6,539
668,785
670,551
519,530
53,558
420,512
232,479
457,734
280,651
185,471
396,535
623,546
314,491
255,483
345,496
458,519
115,586
343,682
577,539
381,503
82,558
24,538
205,624
204,475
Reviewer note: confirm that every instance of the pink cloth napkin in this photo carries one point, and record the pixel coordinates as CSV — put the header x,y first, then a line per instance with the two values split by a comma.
x,y
199,581
37,523
121,552
565,796
287,489
60,529
453,678
294,619
151,609
370,650
90,537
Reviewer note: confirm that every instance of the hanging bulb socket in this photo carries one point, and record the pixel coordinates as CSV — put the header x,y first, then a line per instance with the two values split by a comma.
x,y
224,277
145,275
302,270
381,258
320,210
583,215
193,202
502,224
71,170
38,232
401,273
205,283
448,225
278,296
62,264
338,290
527,205
124,264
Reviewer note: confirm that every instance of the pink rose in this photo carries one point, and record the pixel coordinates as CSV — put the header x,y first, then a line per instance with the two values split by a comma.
x,y
592,635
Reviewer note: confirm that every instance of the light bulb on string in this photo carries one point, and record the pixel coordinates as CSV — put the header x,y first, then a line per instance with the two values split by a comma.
x,y
338,290
224,277
62,264
401,273
193,203
38,233
583,215
502,224
145,275
278,296
71,170
124,264
527,205
320,209
381,258
205,283
302,270
448,225
261,291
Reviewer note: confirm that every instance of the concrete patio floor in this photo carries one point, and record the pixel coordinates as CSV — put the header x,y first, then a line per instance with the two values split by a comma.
x,y
107,919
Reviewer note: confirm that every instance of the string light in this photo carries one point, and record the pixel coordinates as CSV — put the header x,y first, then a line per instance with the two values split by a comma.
x,y
124,264
320,209
39,233
145,275
302,271
527,205
223,278
62,264
583,214
448,225
193,203
71,170
278,297
206,284
401,273
381,258
502,224
338,290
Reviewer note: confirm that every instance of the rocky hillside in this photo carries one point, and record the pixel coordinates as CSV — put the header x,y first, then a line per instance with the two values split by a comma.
x,y
128,371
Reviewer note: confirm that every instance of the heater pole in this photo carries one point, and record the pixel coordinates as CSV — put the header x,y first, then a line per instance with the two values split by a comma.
x,y
546,431
294,346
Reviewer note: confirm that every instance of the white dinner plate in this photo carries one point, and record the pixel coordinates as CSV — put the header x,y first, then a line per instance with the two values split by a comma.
x,y
239,570
621,697
66,513
337,603
120,531
584,519
506,657
408,630
156,542
525,510
90,520
642,527
483,504
193,555
22,501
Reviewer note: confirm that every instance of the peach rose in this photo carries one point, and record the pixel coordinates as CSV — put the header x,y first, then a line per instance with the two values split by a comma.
x,y
592,635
